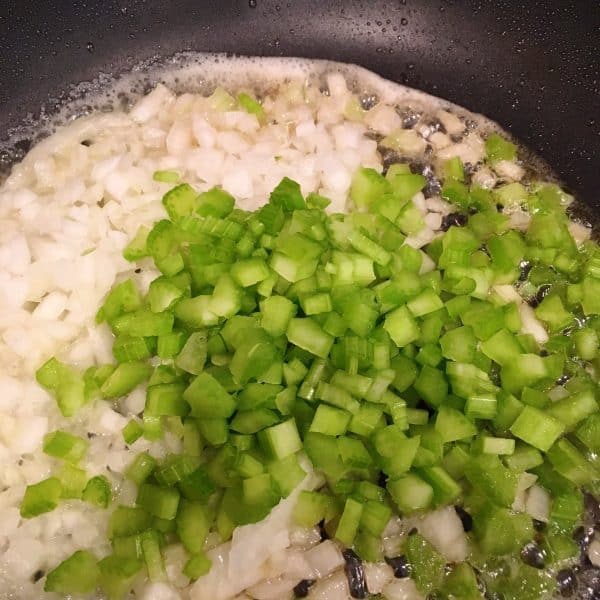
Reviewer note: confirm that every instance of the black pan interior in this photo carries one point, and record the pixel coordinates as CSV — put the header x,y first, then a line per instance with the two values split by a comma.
x,y
531,66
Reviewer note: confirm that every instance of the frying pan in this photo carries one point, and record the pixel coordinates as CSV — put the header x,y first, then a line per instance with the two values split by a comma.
x,y
531,66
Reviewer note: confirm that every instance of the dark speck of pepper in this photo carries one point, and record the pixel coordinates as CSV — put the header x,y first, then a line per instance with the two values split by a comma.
x,y
592,508
583,536
322,531
539,525
37,576
400,566
465,518
355,574
301,590
524,267
456,219
533,555
589,584
566,581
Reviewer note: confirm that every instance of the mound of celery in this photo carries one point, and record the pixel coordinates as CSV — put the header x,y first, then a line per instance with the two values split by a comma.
x,y
403,376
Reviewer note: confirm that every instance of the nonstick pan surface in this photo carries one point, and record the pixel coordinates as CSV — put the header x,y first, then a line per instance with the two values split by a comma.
x,y
531,66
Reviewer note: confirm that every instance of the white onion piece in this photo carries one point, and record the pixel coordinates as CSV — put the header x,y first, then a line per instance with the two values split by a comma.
x,y
509,170
525,481
485,178
580,232
279,588
159,591
148,106
377,576
402,589
443,529
507,293
537,503
324,558
531,325
452,123
594,553
334,587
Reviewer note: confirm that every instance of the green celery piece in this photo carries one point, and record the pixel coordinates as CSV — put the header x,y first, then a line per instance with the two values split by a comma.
x,y
571,464
122,298
142,323
118,574
180,201
498,148
459,344
166,399
166,176
552,311
461,583
453,425
312,507
281,440
288,195
175,469
132,432
401,326
250,104
574,408
73,481
41,497
486,473
193,524
308,335
159,501
197,485
428,565
499,531
367,186
152,555
349,522
67,446
276,312
78,574
410,493
252,359
374,517
330,421
128,520
163,294
353,452
192,357
208,399
124,379
589,432
252,421
537,428
64,383
286,474
136,249
432,386
215,202
445,489
97,491
197,566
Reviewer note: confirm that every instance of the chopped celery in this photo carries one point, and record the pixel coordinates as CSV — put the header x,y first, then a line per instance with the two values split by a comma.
x,y
427,564
77,574
62,444
41,497
159,501
97,491
286,333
